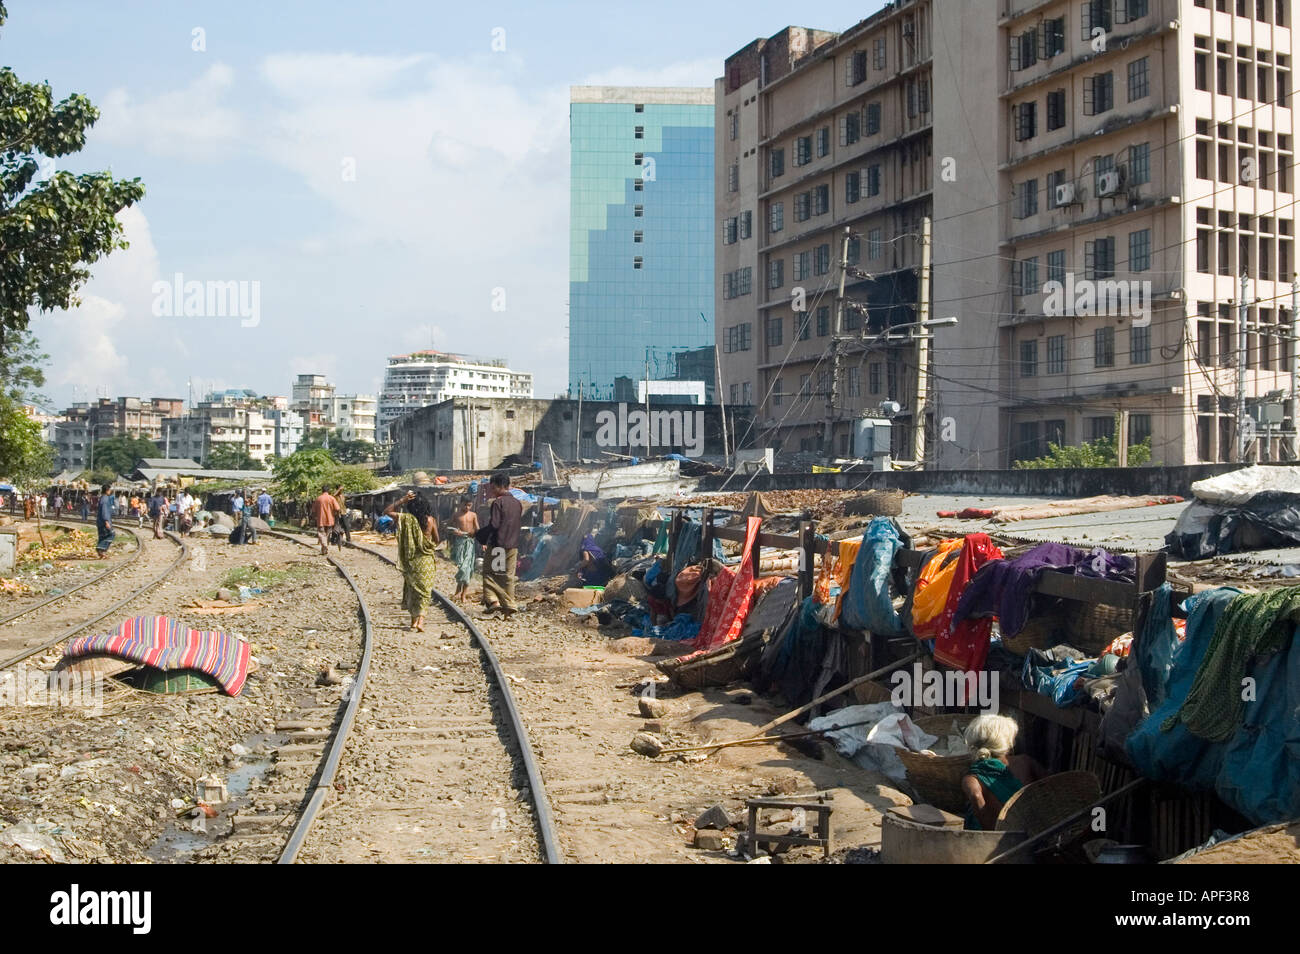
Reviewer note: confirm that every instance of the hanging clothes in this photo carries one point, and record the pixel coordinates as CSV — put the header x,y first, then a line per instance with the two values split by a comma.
x,y
869,603
965,644
932,586
844,571
731,593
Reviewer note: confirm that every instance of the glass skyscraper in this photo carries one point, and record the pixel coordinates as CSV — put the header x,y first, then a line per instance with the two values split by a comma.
x,y
641,232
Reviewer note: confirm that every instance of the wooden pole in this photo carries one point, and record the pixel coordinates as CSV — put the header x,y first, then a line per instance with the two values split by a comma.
x,y
806,556
826,697
706,536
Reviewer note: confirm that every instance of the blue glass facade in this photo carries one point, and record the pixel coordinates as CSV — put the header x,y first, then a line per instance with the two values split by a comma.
x,y
640,252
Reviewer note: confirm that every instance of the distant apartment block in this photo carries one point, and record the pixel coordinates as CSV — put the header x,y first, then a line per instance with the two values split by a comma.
x,y
422,378
350,416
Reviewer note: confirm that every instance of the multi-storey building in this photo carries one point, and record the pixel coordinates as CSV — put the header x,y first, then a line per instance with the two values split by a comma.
x,y
214,424
818,133
350,416
641,232
1147,161
413,381
1096,190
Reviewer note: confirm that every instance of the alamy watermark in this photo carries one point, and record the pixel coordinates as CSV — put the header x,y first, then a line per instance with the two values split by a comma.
x,y
68,689
210,299
638,428
1111,298
935,688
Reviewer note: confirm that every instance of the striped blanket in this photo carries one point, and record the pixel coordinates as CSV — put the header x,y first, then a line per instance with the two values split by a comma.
x,y
165,643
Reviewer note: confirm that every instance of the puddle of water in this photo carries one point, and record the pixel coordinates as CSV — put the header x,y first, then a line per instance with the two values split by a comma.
x,y
178,841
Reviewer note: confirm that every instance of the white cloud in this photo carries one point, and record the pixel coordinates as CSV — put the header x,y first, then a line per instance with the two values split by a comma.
x,y
191,122
700,72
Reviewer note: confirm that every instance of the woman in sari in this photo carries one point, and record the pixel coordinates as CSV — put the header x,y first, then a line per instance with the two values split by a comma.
x,y
417,540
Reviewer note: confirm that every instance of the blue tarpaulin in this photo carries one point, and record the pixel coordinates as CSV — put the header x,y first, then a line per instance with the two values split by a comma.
x,y
868,604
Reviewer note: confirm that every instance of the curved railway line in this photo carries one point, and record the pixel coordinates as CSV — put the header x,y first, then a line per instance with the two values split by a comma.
x,y
506,723
109,576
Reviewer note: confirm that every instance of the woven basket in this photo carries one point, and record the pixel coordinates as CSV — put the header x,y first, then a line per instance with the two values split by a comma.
x,y
1090,627
937,778
871,692
1040,631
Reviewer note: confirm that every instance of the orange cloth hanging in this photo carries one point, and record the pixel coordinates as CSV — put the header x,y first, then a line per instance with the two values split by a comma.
x,y
932,588
844,569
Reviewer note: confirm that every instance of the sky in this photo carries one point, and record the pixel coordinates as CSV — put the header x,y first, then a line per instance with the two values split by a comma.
x,y
378,177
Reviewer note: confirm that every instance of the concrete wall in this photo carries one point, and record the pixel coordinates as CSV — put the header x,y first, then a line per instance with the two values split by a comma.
x,y
1031,483
477,434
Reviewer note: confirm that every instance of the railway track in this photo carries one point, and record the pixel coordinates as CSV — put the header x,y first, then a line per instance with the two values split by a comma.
x,y
424,749
10,635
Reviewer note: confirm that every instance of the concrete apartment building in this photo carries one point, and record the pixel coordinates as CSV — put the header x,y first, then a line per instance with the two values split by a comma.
x,y
84,423
817,132
1101,145
211,425
1163,155
351,416
413,381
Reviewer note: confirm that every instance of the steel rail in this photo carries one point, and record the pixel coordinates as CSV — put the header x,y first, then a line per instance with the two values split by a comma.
x,y
537,788
133,595
121,564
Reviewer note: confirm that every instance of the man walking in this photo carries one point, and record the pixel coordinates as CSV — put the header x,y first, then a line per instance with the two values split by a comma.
x,y
324,512
264,506
105,511
501,536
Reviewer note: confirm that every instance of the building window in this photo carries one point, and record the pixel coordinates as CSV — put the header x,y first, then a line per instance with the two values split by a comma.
x,y
1098,93
1029,276
805,386
638,210
1053,37
873,378
778,386
1029,359
1024,50
849,128
729,231
874,244
777,158
1101,428
1099,258
855,68
1139,79
855,382
774,331
747,393
1139,250
1096,14
878,58
638,236
776,217
1056,354
1100,166
636,262
1056,266
823,141
1027,199
640,132
776,273
1139,429
733,123
746,224
873,180
733,177
823,321
804,325
852,187
855,250
1139,164
1055,109
821,199
803,150
638,185
1139,346
822,260
1103,348
736,338
1024,119
801,206
799,269
873,118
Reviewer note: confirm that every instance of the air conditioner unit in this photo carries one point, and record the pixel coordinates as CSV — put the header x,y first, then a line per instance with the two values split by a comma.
x,y
1065,193
1108,183
908,28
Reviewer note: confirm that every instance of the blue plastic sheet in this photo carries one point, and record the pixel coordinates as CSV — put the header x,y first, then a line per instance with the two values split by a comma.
x,y
1055,678
868,604
683,626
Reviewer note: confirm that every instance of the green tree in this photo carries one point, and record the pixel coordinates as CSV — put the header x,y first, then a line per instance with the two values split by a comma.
x,y
355,480
119,454
22,372
51,232
1103,452
301,475
230,457
353,452
25,459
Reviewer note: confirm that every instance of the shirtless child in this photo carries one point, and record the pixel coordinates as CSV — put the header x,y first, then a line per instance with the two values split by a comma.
x,y
464,548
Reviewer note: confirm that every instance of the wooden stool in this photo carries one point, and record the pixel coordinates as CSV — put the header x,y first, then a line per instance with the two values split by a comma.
x,y
819,804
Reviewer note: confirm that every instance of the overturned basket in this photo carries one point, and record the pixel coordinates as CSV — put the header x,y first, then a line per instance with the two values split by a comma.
x,y
937,778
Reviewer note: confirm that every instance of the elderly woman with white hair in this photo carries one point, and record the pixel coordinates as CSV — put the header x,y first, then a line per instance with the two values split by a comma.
x,y
995,774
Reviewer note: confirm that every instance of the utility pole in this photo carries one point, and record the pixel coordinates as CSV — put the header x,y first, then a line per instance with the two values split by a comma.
x,y
1241,372
577,431
722,403
1121,440
1293,402
833,392
647,402
922,348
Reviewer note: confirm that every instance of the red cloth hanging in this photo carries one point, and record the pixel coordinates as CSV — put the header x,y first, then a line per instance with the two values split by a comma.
x,y
965,646
731,594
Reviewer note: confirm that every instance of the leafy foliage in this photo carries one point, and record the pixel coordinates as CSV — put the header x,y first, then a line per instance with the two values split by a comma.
x,y
119,454
230,457
25,459
355,480
51,232
1103,452
301,475
345,452
21,368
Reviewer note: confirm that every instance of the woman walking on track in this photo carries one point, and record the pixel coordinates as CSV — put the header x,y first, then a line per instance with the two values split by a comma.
x,y
417,540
